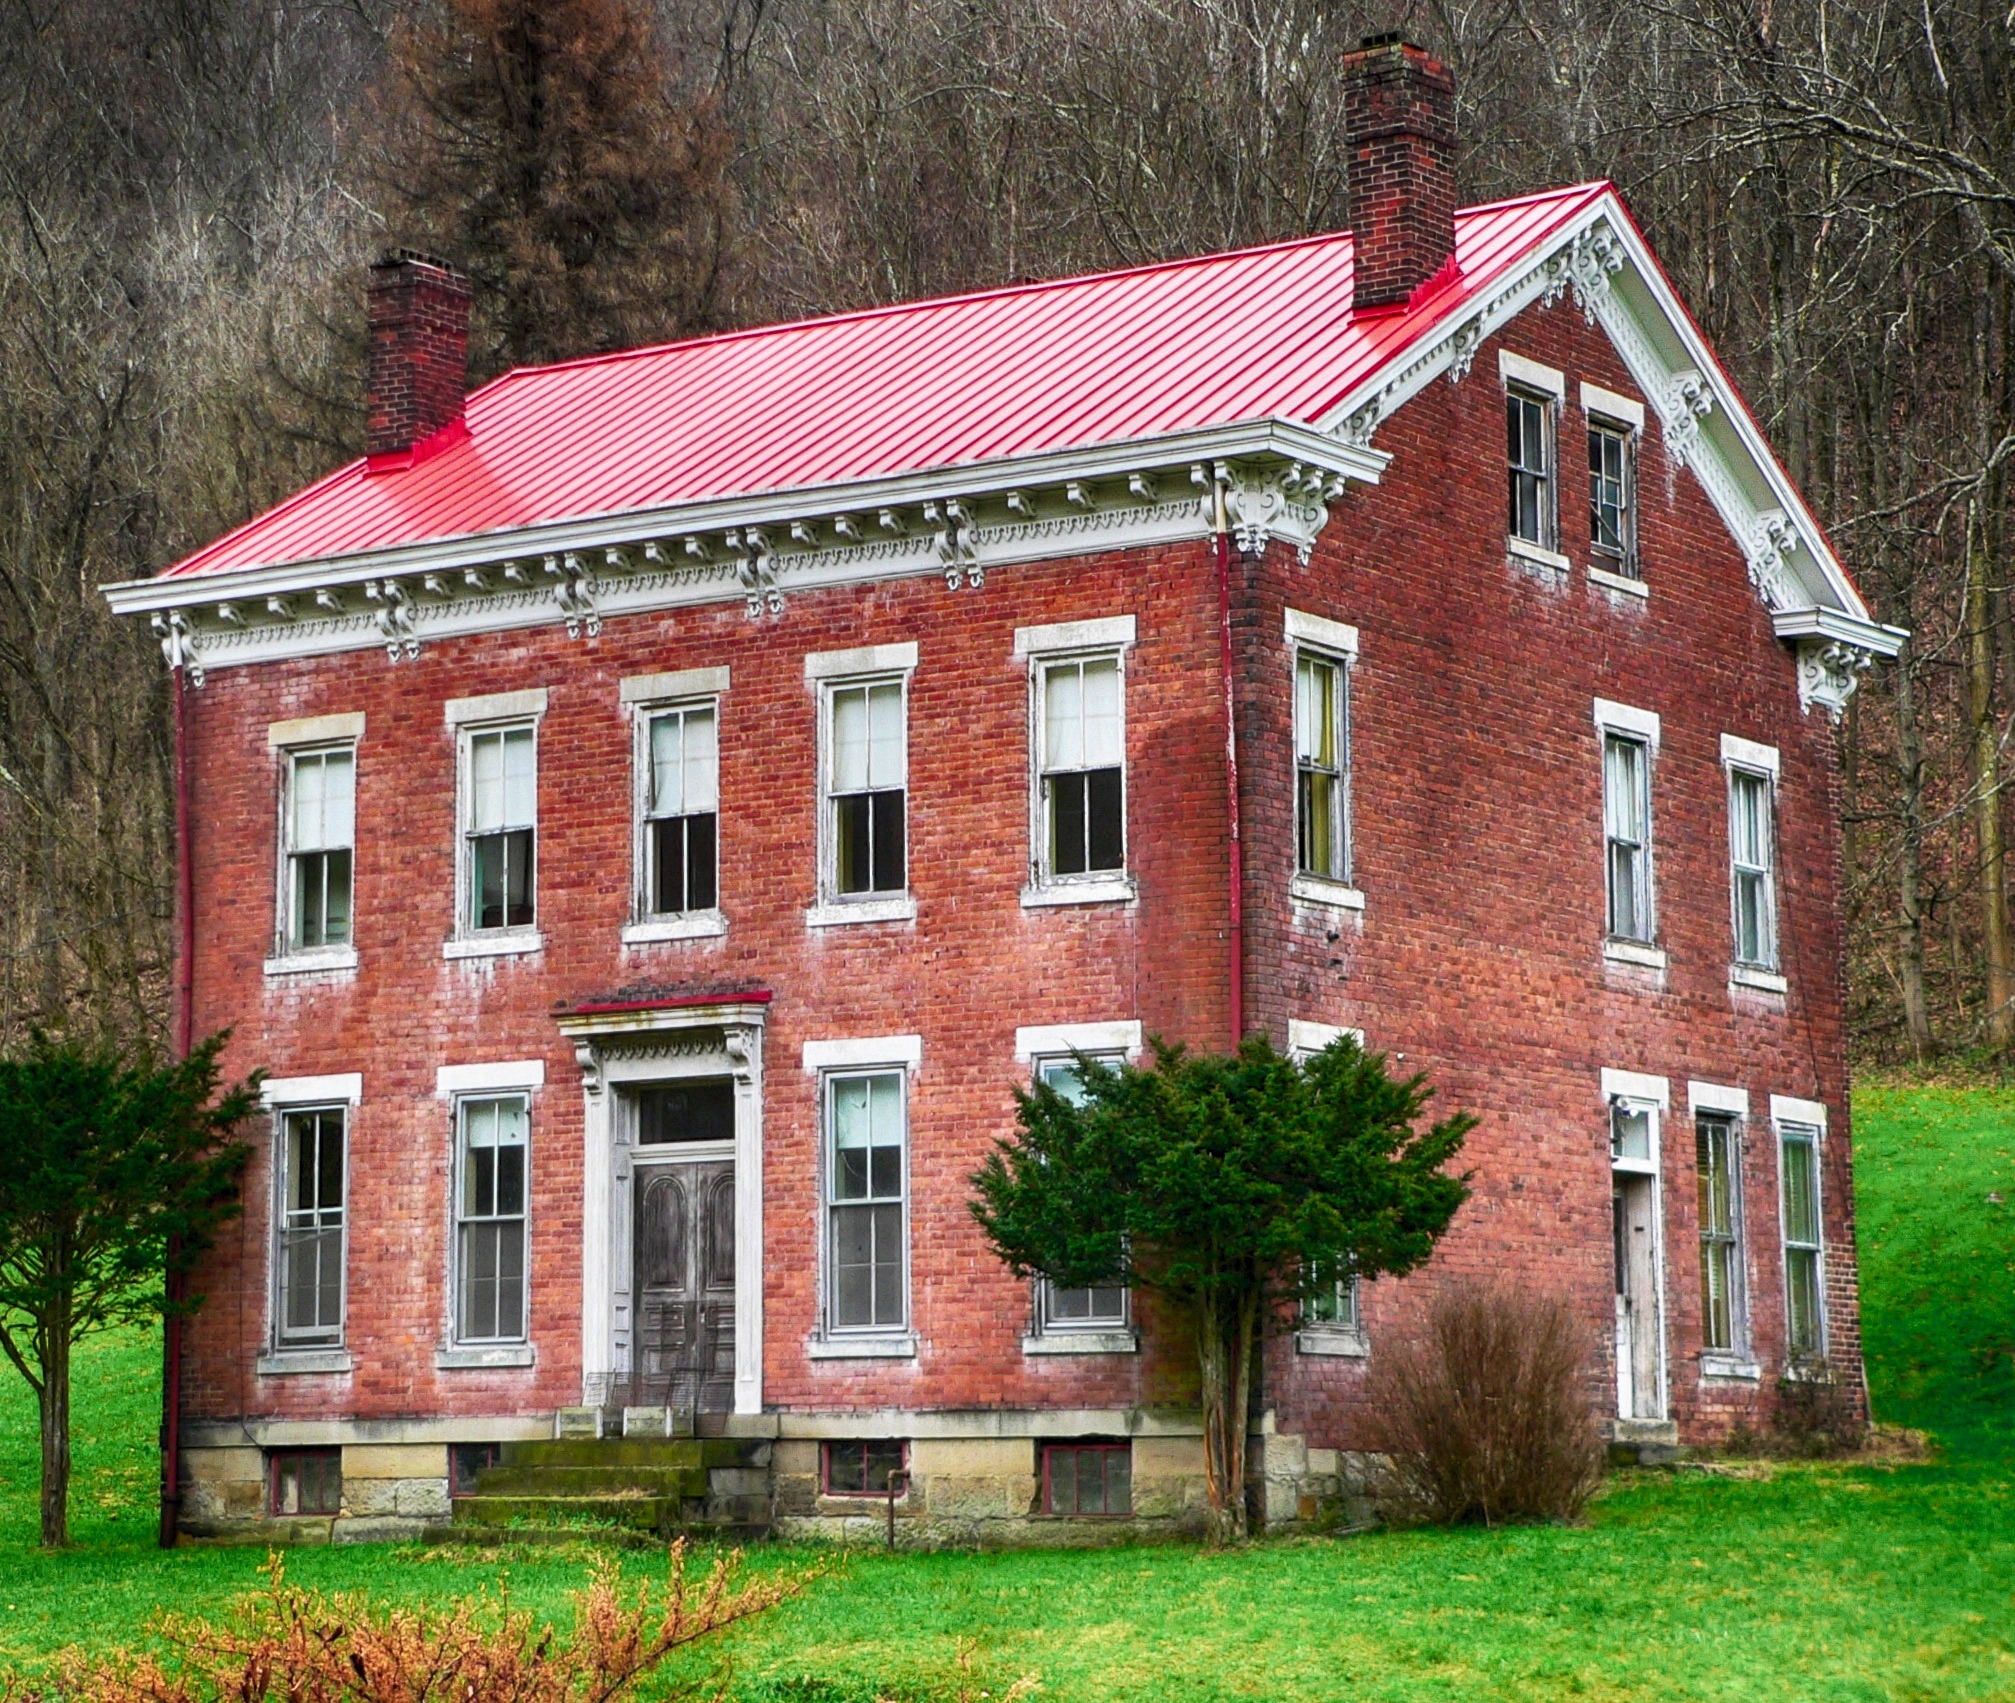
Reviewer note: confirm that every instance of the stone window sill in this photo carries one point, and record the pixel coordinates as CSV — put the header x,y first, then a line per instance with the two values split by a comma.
x,y
837,913
694,925
1112,890
322,960
482,1358
1083,1342
1635,952
1524,550
1334,1341
1759,980
281,1363
1730,1366
1618,582
494,945
861,1348
1320,890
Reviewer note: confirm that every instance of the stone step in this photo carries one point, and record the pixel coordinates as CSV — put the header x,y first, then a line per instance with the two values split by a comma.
x,y
635,1513
669,1454
599,1480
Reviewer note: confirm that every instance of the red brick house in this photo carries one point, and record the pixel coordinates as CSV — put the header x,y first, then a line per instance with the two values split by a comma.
x,y
649,817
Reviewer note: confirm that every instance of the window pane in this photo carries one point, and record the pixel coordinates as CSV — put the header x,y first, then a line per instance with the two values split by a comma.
x,y
1801,1191
1750,815
886,818
1315,712
1104,745
850,740
1062,1074
1629,1132
1105,811
1063,716
1626,910
700,862
1715,1201
1801,1299
1750,933
885,735
335,898
520,783
1068,847
1623,788
1316,810
486,781
852,846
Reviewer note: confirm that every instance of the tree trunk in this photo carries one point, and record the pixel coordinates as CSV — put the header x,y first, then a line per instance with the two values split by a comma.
x,y
1223,1344
1987,791
1910,854
55,1405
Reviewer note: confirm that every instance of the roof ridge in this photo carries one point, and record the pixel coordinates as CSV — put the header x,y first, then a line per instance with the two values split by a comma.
x,y
1033,286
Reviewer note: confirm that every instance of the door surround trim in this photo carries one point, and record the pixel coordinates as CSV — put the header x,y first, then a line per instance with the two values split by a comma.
x,y
618,1045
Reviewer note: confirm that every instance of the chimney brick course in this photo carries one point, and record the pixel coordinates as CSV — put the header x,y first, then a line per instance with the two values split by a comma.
x,y
1399,106
418,312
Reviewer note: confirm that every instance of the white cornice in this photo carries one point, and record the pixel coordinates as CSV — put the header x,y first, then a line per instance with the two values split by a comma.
x,y
1278,479
1618,283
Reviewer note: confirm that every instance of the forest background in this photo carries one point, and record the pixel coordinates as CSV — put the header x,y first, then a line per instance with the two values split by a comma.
x,y
190,191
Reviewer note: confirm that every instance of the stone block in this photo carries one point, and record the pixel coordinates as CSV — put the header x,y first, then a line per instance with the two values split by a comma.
x,y
423,1499
957,1497
571,1423
395,1460
218,1466
972,1457
363,1497
380,1530
796,1455
1167,1457
657,1422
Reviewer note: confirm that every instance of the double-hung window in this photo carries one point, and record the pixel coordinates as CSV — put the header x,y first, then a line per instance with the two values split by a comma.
x,y
321,817
501,828
867,779
1804,1292
1528,420
1717,1168
682,810
1083,778
1321,652
492,1143
867,1231
1612,534
1626,811
314,1185
1752,854
1100,1307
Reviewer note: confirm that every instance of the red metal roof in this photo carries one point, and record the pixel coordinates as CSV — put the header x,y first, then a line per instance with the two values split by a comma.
x,y
1261,333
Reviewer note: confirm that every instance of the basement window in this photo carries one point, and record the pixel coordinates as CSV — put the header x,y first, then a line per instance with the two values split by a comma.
x,y
305,1481
467,1462
868,1467
1089,1478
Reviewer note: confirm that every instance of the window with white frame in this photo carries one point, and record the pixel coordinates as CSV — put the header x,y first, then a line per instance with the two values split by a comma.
x,y
321,824
1752,857
1529,457
1804,1294
1082,779
1100,1307
493,1139
309,1256
1321,765
681,809
500,827
1724,1325
1632,1139
866,781
867,1232
1626,811
1612,524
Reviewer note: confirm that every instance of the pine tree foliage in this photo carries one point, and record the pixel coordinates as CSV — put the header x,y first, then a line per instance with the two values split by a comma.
x,y
1236,1187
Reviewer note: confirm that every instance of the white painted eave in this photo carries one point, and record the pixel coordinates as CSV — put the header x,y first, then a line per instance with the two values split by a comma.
x,y
1266,440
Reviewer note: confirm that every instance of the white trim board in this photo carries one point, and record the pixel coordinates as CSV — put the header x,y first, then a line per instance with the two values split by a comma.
x,y
1532,375
1712,1097
1047,1040
1786,1110
495,706
485,1078
865,659
863,1051
1105,632
1622,718
315,730
1321,632
345,1088
1635,1085
683,683
1748,754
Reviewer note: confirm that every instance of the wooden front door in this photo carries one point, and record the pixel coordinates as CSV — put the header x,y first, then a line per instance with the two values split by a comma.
x,y
685,1286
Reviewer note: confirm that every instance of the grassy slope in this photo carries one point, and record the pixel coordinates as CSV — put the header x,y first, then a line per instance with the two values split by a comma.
x,y
1842,1583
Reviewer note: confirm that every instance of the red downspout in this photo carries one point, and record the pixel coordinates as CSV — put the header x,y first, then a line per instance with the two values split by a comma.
x,y
1235,897
184,1027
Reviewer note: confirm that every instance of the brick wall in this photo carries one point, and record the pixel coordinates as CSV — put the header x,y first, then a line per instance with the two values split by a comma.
x,y
1478,846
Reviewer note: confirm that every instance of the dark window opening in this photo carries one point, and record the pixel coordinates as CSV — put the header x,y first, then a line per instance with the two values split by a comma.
x,y
469,1461
1609,497
1087,1478
686,1111
869,1468
306,1481
1087,822
869,826
1530,467
683,863
502,878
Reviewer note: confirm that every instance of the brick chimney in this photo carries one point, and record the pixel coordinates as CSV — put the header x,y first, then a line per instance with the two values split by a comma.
x,y
1399,106
418,308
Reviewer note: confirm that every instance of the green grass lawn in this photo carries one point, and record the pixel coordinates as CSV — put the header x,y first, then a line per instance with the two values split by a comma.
x,y
1835,1583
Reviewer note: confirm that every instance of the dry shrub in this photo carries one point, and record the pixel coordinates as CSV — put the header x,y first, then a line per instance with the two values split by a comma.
x,y
284,1644
1818,1415
1487,1416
